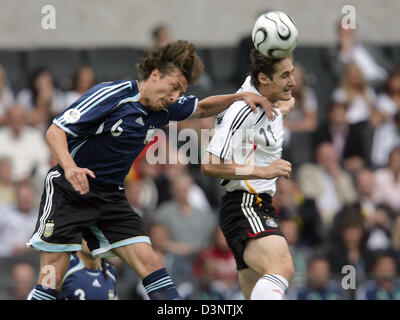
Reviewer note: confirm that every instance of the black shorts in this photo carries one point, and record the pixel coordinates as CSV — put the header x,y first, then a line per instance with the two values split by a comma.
x,y
245,216
103,217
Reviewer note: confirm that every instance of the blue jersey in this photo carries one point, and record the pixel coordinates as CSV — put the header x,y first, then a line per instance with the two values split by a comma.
x,y
80,283
107,127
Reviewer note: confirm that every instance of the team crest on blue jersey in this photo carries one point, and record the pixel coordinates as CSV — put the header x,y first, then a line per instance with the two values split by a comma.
x,y
111,294
48,228
150,133
72,115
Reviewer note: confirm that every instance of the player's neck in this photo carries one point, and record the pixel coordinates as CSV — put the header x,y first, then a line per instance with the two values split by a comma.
x,y
267,94
143,93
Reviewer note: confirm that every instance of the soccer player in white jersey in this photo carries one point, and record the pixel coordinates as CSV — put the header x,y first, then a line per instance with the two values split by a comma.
x,y
245,153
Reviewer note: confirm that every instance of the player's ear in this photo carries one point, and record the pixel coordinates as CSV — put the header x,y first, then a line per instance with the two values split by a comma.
x,y
263,79
155,74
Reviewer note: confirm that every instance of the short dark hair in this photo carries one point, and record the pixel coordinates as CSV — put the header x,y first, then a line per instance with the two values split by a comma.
x,y
179,54
260,63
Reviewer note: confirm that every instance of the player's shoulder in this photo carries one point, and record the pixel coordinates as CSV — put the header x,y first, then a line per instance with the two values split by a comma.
x,y
238,113
111,271
107,88
74,261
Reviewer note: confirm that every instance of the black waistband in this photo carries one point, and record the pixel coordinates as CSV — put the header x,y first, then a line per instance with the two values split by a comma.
x,y
239,193
95,184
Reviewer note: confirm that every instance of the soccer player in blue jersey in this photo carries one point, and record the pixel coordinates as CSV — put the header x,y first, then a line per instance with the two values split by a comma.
x,y
89,278
95,142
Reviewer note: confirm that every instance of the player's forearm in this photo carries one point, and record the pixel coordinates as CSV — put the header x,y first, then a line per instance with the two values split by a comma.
x,y
213,105
216,167
57,141
231,172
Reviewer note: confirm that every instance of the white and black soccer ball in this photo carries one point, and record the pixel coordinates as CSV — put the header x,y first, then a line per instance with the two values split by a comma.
x,y
274,34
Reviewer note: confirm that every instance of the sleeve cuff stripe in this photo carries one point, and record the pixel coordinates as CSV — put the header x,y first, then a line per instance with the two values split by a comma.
x,y
58,124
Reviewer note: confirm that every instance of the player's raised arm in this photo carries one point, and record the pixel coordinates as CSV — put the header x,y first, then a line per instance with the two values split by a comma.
x,y
214,105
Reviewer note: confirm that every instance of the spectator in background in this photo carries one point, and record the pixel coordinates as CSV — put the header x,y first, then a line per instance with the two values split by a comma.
x,y
319,285
17,222
6,96
42,100
343,137
23,277
207,288
327,183
179,268
225,279
161,36
349,246
23,145
388,102
243,48
380,228
242,64
157,178
304,116
365,204
7,186
360,98
134,193
190,229
387,181
384,286
82,80
301,121
348,49
387,121
291,204
299,252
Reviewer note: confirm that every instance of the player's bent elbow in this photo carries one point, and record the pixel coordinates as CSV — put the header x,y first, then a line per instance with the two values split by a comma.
x,y
206,169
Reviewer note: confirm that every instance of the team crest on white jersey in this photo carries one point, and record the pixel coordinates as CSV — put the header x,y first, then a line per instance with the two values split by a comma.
x,y
270,222
48,228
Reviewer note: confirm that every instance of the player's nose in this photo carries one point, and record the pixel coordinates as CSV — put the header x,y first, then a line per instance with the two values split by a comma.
x,y
174,96
292,81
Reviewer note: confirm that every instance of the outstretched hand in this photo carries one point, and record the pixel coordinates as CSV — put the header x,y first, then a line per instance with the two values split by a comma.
x,y
253,100
286,106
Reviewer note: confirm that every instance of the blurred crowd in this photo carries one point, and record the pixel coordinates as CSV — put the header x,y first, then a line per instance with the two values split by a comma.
x,y
341,208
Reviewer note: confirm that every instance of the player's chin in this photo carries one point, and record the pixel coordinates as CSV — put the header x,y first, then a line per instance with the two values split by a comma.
x,y
157,107
286,95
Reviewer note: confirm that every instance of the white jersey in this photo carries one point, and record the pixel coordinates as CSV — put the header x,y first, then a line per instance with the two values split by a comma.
x,y
248,138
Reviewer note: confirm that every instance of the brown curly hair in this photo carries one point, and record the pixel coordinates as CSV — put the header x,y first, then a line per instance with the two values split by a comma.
x,y
260,63
179,54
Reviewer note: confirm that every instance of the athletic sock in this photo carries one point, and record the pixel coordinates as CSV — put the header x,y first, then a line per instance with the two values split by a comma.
x,y
41,293
159,286
269,287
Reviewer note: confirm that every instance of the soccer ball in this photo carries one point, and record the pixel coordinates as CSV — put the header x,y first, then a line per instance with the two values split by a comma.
x,y
274,34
